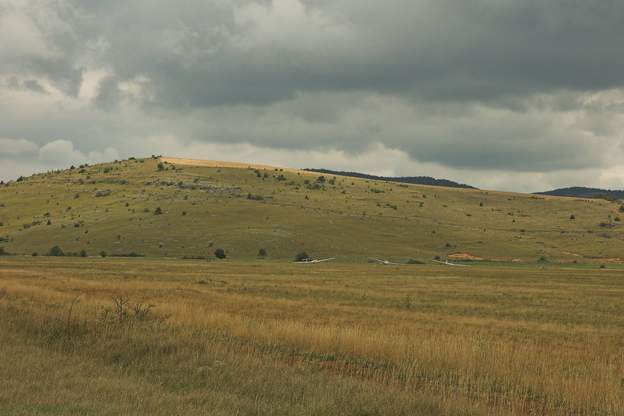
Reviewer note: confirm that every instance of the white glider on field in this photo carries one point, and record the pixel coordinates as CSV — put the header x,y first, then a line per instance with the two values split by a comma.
x,y
315,261
387,262
448,263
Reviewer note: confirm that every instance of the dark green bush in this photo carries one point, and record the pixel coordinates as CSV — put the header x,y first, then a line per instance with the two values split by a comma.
x,y
255,197
131,254
303,256
56,251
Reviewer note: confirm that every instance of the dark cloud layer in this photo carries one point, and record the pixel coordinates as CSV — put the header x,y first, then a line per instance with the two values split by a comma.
x,y
525,86
216,53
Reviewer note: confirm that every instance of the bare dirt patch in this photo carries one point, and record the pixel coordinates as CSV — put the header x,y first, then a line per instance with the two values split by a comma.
x,y
222,164
616,260
464,257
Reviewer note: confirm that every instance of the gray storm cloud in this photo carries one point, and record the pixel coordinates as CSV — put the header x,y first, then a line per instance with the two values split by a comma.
x,y
531,90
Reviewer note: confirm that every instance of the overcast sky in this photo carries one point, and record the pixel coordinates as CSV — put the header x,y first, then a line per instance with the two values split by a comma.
x,y
521,95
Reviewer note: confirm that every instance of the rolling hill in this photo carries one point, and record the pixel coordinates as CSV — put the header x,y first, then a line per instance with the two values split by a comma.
x,y
583,192
415,180
183,208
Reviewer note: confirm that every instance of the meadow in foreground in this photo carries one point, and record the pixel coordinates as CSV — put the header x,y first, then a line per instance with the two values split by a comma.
x,y
115,336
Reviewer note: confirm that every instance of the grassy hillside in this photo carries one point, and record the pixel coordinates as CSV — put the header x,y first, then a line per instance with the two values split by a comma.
x,y
242,209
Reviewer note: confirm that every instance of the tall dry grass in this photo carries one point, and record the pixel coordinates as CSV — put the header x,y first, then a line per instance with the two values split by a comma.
x,y
494,341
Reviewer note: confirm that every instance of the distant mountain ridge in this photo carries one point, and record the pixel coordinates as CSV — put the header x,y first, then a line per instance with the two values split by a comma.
x,y
416,180
583,192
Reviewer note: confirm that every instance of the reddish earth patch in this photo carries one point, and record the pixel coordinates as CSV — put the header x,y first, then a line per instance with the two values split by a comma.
x,y
464,257
612,260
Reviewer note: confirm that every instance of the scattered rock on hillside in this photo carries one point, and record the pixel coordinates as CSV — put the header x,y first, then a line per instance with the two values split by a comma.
x,y
103,192
202,186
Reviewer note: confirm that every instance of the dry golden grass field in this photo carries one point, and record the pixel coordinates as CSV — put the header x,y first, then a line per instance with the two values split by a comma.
x,y
106,336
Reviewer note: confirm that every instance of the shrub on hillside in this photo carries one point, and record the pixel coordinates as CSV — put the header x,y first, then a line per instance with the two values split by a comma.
x,y
3,252
83,253
220,253
56,251
103,253
131,254
262,253
158,211
255,197
303,256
